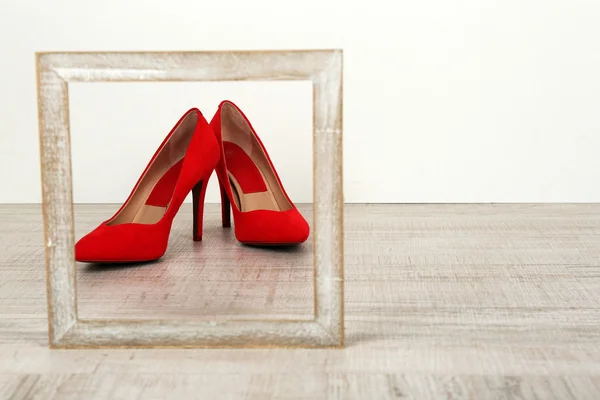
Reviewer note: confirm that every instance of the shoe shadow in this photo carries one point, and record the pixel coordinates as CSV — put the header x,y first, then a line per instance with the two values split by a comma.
x,y
103,267
285,248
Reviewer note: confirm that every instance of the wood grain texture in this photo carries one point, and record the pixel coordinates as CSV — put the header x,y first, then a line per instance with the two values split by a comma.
x,y
442,302
322,67
314,65
57,197
327,229
212,280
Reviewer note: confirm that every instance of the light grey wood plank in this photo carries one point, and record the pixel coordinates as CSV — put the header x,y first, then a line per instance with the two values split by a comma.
x,y
442,301
287,386
412,386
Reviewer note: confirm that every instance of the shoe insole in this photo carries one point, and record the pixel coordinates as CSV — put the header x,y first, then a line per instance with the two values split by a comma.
x,y
251,189
158,201
151,196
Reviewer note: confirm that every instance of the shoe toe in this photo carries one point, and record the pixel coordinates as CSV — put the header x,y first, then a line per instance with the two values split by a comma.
x,y
263,227
121,243
85,249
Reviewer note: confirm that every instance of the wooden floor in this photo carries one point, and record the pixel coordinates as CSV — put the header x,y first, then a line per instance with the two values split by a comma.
x,y
213,279
442,302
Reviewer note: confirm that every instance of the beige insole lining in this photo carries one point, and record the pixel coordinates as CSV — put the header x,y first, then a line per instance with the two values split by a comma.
x,y
148,214
136,210
252,201
236,130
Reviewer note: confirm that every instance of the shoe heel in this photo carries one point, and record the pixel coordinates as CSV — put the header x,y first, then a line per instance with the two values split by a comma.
x,y
198,194
225,207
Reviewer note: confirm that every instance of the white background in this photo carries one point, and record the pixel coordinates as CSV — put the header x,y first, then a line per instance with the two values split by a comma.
x,y
117,127
444,101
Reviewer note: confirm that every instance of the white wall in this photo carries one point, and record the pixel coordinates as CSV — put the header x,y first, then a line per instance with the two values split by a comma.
x,y
445,101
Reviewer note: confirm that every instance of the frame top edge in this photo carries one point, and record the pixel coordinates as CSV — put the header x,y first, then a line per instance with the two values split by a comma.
x,y
256,51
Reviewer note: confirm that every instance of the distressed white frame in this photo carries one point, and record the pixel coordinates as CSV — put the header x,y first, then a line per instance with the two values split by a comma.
x,y
322,67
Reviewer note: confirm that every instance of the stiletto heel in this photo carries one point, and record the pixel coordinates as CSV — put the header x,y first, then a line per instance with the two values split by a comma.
x,y
262,211
225,207
198,194
139,231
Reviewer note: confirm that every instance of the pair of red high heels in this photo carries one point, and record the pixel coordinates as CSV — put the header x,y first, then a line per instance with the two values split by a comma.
x,y
262,211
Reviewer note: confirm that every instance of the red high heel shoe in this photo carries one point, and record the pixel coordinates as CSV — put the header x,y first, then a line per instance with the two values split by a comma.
x,y
262,211
139,231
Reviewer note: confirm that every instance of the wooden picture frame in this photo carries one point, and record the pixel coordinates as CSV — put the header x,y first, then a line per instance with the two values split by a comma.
x,y
322,67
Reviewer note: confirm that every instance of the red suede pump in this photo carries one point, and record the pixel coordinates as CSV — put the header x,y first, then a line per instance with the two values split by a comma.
x,y
139,231
263,213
